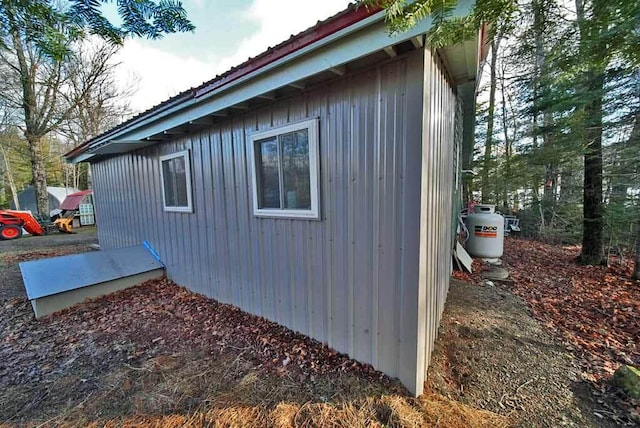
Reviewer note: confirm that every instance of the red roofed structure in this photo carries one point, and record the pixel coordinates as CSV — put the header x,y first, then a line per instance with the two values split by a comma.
x,y
72,202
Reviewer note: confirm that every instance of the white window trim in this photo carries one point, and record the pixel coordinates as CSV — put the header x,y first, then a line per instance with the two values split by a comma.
x,y
187,163
314,166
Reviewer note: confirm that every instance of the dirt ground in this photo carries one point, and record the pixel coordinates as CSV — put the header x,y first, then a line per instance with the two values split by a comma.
x,y
159,355
492,354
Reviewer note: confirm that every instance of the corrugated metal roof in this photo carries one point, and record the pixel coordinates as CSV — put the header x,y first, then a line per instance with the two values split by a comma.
x,y
353,13
72,201
320,30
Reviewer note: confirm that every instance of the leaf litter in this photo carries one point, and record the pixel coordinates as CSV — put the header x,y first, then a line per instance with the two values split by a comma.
x,y
160,355
595,310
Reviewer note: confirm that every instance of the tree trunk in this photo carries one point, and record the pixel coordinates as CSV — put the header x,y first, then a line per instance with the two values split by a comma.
x,y
550,168
636,270
28,73
12,183
592,209
3,184
570,187
490,113
83,176
541,90
507,149
39,174
633,140
591,49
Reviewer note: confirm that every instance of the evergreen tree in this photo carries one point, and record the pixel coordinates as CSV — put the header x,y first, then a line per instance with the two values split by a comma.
x,y
572,66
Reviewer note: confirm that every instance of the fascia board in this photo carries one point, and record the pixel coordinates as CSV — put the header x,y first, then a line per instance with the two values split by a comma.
x,y
82,157
313,46
370,36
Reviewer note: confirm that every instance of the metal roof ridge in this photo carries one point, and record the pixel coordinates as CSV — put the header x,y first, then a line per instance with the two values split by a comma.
x,y
341,20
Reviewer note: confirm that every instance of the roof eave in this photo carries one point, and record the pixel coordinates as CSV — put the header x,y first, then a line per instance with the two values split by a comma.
x,y
336,47
188,97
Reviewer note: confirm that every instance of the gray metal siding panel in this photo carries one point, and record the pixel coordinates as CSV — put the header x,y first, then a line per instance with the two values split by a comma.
x,y
349,280
440,108
457,164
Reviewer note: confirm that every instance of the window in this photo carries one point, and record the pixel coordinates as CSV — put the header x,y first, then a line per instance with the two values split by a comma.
x,y
176,182
285,171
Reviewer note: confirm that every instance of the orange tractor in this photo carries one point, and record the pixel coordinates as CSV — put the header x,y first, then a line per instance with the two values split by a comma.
x,y
12,222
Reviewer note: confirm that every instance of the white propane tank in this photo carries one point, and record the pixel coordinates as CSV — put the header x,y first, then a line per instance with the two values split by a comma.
x,y
486,232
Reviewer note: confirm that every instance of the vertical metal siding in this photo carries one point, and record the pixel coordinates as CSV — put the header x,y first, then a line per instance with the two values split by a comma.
x,y
349,280
436,206
457,165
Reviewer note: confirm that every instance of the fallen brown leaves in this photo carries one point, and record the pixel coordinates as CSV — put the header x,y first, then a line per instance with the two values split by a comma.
x,y
595,309
167,318
159,355
477,267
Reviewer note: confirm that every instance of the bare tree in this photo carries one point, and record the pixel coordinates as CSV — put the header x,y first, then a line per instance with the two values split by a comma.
x,y
47,91
7,174
7,131
488,147
636,269
104,105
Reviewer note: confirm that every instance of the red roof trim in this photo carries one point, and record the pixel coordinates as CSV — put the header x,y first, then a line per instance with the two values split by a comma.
x,y
294,44
81,193
341,20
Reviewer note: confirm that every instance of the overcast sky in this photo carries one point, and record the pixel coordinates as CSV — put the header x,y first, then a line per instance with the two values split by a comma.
x,y
227,33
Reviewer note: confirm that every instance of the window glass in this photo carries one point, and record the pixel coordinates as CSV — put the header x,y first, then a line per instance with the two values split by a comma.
x,y
295,170
167,177
269,174
285,171
180,181
175,182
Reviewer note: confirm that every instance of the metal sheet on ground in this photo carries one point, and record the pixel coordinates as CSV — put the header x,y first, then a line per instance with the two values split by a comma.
x,y
55,275
464,257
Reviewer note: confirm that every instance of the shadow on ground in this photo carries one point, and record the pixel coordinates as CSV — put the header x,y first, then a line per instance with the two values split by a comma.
x,y
159,355
492,354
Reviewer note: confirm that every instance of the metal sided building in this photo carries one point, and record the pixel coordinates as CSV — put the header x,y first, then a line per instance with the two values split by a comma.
x,y
313,185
